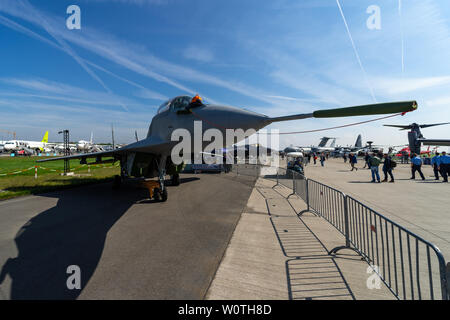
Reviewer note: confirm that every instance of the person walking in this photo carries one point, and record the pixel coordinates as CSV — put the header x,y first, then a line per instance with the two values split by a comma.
x,y
322,159
416,165
435,161
366,159
353,161
345,157
374,163
387,168
315,157
444,165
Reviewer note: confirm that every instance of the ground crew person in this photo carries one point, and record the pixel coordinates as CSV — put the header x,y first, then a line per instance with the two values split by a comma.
x,y
444,166
416,165
435,161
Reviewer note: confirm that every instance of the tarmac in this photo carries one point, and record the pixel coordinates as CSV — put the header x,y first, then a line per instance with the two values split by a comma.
x,y
219,236
127,247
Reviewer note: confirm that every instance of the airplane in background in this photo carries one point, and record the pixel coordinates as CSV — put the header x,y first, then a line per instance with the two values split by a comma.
x,y
321,147
340,151
416,139
35,146
84,145
151,157
407,151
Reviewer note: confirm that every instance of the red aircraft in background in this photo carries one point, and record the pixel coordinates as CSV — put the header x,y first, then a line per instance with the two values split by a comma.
x,y
422,152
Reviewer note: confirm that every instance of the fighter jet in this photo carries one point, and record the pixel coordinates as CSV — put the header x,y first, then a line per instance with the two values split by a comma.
x,y
151,157
415,137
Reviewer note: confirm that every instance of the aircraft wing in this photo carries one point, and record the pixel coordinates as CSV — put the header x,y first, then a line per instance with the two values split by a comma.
x,y
406,127
153,145
435,142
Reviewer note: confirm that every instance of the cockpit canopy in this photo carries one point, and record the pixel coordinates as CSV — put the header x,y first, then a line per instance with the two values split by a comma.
x,y
180,103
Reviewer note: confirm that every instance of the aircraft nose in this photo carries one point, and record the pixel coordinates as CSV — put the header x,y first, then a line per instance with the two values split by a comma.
x,y
225,117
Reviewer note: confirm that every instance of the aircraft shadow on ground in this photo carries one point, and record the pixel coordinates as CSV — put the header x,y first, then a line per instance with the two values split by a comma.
x,y
71,233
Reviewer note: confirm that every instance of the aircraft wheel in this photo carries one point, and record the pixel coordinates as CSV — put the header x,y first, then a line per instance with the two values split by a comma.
x,y
176,179
156,194
164,195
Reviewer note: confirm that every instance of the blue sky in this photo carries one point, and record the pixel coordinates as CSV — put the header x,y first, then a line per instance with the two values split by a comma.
x,y
274,57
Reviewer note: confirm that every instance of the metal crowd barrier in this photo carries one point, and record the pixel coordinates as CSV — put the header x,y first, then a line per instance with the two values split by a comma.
x,y
411,267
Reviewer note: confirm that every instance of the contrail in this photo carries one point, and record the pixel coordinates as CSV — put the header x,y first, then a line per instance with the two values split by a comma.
x,y
66,47
20,28
356,52
401,32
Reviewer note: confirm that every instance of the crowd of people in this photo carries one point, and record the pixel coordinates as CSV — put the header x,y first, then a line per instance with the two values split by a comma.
x,y
440,164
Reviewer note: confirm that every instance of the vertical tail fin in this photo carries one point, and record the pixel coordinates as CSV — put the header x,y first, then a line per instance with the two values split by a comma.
x,y
333,143
323,141
358,143
45,138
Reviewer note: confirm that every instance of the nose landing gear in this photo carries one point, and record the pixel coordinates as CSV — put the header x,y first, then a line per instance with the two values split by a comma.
x,y
155,191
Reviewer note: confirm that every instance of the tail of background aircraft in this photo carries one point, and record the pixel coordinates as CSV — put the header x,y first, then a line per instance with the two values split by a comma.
x,y
333,143
45,138
358,143
323,141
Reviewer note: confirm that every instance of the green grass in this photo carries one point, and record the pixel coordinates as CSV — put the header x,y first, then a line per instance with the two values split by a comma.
x,y
49,177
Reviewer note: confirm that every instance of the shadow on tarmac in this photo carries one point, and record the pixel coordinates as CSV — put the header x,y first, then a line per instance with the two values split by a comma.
x,y
71,233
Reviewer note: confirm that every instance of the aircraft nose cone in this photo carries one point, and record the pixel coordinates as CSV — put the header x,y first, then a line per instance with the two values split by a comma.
x,y
225,117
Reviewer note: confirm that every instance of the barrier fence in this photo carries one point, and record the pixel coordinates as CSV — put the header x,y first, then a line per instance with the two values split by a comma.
x,y
411,267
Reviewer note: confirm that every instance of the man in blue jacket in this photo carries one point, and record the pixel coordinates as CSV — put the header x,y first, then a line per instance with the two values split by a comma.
x,y
416,165
435,162
444,166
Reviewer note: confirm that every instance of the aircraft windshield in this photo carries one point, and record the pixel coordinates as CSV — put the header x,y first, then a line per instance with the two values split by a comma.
x,y
181,103
163,107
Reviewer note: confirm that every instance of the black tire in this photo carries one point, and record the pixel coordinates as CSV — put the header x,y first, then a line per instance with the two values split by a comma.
x,y
156,194
176,179
164,195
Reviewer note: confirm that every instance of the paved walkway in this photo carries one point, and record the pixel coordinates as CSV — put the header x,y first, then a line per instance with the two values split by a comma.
x,y
420,206
274,254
